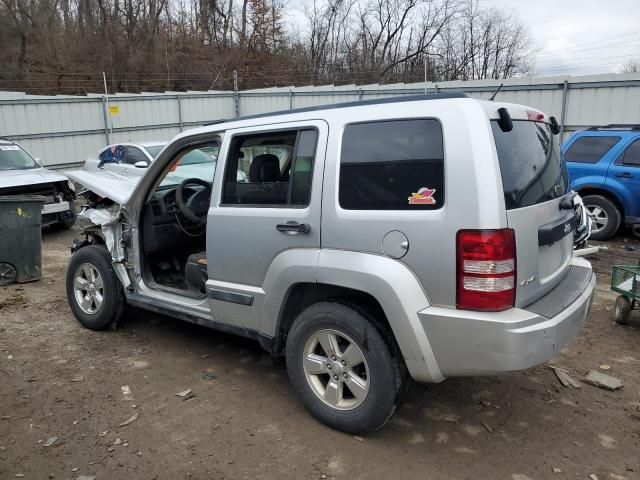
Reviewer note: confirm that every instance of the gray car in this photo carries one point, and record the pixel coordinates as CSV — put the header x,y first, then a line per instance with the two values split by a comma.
x,y
368,243
21,174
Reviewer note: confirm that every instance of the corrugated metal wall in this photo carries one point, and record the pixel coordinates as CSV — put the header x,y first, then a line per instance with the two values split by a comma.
x,y
63,130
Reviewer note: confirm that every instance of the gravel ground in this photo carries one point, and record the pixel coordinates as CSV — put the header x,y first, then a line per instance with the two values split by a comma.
x,y
58,379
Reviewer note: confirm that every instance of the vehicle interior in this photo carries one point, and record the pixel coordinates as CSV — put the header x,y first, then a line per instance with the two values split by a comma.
x,y
174,220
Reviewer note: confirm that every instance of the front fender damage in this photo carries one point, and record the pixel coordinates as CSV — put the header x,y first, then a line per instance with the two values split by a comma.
x,y
107,221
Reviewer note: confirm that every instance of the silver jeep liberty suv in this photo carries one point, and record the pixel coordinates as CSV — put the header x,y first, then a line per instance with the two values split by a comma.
x,y
424,237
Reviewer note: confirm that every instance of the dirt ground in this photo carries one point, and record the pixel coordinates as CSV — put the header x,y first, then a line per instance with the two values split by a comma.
x,y
58,379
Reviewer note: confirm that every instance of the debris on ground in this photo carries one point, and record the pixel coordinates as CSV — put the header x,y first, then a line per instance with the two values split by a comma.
x,y
86,477
77,378
50,441
185,394
602,380
359,439
13,300
564,377
130,420
206,375
126,392
117,441
593,476
605,367
487,427
451,418
556,470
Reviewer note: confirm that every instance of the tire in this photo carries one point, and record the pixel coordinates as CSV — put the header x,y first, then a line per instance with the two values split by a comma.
x,y
113,303
622,310
66,222
605,216
381,370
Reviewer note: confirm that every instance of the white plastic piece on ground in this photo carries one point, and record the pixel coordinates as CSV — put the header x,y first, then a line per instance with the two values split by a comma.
x,y
586,251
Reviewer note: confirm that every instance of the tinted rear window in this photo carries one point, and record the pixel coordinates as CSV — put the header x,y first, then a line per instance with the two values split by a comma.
x,y
530,164
589,149
392,165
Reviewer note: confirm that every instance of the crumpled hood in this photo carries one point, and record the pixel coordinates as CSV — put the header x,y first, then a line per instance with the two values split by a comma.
x,y
32,176
106,184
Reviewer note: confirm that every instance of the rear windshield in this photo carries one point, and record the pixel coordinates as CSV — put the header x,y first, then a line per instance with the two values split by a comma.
x,y
530,164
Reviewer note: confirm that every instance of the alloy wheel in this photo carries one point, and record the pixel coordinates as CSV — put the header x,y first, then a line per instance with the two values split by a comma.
x,y
336,369
88,288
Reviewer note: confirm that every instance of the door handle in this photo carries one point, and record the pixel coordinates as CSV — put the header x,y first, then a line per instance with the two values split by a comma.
x,y
624,175
293,228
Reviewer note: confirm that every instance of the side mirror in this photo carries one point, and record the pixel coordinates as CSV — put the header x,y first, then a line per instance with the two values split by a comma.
x,y
140,164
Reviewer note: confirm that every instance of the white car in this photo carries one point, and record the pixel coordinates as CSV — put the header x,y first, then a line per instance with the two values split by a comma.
x,y
21,174
125,158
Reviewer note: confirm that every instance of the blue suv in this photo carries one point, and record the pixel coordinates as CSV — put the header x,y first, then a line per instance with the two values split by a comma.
x,y
604,168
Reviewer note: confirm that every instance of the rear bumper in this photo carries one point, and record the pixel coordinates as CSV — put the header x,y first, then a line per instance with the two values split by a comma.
x,y
467,343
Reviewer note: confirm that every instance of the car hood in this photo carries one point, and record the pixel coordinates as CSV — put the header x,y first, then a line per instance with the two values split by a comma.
x,y
32,176
106,184
112,185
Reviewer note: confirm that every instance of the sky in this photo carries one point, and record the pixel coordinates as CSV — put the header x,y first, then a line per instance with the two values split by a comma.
x,y
569,37
579,37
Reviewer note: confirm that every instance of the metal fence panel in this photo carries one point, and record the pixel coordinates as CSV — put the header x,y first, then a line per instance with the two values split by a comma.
x,y
63,130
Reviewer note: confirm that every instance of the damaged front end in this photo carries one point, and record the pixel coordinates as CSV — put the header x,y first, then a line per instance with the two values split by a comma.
x,y
103,223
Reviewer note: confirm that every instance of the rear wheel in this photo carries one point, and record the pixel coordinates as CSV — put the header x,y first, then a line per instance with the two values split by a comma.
x,y
343,370
605,216
94,292
622,310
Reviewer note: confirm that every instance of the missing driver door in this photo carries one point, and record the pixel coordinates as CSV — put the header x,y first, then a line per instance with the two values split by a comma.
x,y
268,204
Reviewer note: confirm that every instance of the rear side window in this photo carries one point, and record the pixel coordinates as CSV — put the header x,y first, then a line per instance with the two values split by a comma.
x,y
632,155
392,165
589,149
530,164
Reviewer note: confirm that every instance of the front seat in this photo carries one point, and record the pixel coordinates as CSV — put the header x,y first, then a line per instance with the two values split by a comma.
x,y
264,168
195,272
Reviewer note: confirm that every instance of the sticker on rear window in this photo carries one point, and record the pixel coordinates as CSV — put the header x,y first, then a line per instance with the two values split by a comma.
x,y
424,196
9,147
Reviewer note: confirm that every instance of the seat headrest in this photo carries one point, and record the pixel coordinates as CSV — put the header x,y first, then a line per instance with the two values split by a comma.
x,y
265,168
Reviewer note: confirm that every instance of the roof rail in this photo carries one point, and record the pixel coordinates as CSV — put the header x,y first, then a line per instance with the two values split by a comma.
x,y
617,126
360,103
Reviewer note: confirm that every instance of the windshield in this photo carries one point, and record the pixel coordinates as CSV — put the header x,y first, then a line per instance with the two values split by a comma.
x,y
530,164
12,157
154,150
197,163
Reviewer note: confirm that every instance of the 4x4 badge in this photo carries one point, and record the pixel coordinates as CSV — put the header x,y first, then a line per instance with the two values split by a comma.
x,y
424,196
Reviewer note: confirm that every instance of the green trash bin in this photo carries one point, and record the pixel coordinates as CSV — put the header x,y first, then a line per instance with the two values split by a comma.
x,y
20,238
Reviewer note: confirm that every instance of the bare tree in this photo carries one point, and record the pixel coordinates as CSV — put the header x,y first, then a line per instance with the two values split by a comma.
x,y
62,46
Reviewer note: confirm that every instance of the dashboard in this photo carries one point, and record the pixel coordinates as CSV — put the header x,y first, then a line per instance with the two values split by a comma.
x,y
164,225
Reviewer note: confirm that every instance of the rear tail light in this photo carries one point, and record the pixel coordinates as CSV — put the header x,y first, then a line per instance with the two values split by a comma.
x,y
486,269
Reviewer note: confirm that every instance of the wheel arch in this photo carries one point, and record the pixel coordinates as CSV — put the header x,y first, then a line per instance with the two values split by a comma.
x,y
587,190
383,287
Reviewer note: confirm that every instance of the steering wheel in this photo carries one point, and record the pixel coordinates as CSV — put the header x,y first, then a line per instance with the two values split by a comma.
x,y
196,207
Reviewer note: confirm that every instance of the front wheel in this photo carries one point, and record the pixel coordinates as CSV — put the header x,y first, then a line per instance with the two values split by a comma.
x,y
94,292
343,370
